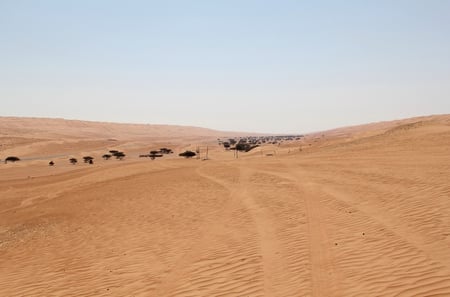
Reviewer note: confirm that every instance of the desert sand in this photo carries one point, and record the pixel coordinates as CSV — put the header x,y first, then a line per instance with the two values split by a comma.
x,y
357,211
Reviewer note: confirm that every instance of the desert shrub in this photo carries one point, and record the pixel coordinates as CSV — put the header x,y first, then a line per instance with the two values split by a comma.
x,y
187,154
73,161
51,163
12,159
106,156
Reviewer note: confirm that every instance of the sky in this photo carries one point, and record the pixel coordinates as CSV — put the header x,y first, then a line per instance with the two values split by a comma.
x,y
257,66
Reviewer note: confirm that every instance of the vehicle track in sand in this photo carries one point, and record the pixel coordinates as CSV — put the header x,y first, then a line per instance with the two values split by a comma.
x,y
369,218
269,254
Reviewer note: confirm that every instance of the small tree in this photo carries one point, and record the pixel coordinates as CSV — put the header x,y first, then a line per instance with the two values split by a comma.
x,y
88,159
51,163
119,155
73,161
106,156
187,154
245,147
12,159
165,150
242,146
155,154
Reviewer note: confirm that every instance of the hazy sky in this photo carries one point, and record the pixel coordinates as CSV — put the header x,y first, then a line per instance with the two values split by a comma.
x,y
263,66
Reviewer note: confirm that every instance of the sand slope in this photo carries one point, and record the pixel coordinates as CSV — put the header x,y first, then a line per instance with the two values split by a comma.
x,y
61,128
359,212
40,137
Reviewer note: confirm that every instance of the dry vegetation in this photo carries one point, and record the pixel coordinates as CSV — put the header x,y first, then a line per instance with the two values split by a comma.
x,y
360,211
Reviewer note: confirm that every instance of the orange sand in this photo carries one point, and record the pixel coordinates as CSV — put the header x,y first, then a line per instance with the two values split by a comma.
x,y
360,211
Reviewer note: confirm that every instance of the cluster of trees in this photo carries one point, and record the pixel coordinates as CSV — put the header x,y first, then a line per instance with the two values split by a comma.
x,y
241,145
90,160
114,153
248,143
118,155
157,154
86,159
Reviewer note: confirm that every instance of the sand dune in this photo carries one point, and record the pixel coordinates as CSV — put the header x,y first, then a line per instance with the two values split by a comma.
x,y
358,211
61,128
40,137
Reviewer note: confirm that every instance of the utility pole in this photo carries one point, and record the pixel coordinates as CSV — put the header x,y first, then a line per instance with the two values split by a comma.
x,y
199,152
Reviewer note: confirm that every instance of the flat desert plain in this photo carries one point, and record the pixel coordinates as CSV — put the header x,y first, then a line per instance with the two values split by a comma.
x,y
359,211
